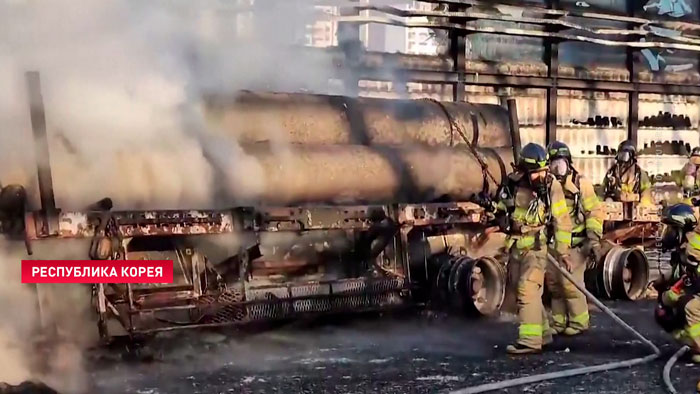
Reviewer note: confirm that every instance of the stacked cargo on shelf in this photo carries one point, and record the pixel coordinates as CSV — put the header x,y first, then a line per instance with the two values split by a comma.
x,y
592,124
668,131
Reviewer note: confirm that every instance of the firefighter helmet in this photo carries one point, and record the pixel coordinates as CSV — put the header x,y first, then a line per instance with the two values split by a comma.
x,y
626,151
558,150
679,219
533,157
681,216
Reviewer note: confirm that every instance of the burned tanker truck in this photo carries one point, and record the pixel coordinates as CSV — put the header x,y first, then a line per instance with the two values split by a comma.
x,y
372,205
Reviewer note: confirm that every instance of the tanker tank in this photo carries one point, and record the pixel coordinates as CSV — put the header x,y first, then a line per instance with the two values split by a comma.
x,y
323,119
323,232
337,150
353,174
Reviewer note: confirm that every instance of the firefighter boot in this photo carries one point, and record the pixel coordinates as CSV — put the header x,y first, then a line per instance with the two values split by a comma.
x,y
547,339
518,349
570,331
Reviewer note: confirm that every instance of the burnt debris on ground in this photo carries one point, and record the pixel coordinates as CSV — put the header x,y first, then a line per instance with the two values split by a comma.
x,y
404,353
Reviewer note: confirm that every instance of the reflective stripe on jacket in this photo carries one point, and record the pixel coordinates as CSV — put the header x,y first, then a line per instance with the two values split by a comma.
x,y
530,217
584,207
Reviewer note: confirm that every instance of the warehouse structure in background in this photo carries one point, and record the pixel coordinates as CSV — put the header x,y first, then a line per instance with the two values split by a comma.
x,y
588,73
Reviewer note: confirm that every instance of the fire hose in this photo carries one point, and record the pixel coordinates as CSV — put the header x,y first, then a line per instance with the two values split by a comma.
x,y
669,365
575,371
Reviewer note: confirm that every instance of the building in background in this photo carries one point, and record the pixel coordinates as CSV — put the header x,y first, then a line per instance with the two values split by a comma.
x,y
375,37
421,41
324,32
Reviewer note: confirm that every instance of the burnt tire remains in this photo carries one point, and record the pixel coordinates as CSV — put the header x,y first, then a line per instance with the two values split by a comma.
x,y
623,274
472,287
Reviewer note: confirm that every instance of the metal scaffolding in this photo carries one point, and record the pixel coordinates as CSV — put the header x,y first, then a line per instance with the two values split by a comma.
x,y
549,21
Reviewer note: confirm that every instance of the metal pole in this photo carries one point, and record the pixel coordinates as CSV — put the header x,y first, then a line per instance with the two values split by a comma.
x,y
458,53
41,146
514,128
551,51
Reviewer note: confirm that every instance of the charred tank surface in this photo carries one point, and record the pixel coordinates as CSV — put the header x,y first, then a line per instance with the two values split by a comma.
x,y
354,174
310,119
322,149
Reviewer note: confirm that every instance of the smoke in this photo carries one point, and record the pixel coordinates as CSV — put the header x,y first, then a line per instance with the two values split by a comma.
x,y
124,84
15,301
24,353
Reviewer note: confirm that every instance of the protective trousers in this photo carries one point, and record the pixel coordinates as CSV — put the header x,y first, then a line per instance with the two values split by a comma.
x,y
569,305
534,324
690,334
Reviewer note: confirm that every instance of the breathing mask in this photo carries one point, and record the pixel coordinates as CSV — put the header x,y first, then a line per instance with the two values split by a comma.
x,y
689,175
559,167
624,156
538,181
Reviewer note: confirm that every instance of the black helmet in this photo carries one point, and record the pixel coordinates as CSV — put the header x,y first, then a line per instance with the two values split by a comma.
x,y
533,157
681,216
557,150
679,219
626,151
695,152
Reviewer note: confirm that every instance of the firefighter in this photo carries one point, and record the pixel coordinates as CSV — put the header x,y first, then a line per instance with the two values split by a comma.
x,y
689,179
569,307
682,302
532,199
626,181
678,310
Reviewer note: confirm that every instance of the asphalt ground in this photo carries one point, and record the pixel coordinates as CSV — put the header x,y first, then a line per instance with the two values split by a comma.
x,y
412,352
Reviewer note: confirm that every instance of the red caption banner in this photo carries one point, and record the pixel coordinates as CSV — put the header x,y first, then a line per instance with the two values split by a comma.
x,y
97,271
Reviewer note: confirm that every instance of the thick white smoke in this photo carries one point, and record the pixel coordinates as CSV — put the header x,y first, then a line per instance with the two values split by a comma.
x,y
123,84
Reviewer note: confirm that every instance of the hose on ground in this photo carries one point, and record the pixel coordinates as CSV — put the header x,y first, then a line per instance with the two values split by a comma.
x,y
669,364
575,371
602,306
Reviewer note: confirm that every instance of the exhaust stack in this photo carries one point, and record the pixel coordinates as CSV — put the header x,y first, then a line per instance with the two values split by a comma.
x,y
41,146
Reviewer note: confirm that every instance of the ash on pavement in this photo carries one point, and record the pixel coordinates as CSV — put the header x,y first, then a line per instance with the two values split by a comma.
x,y
411,353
